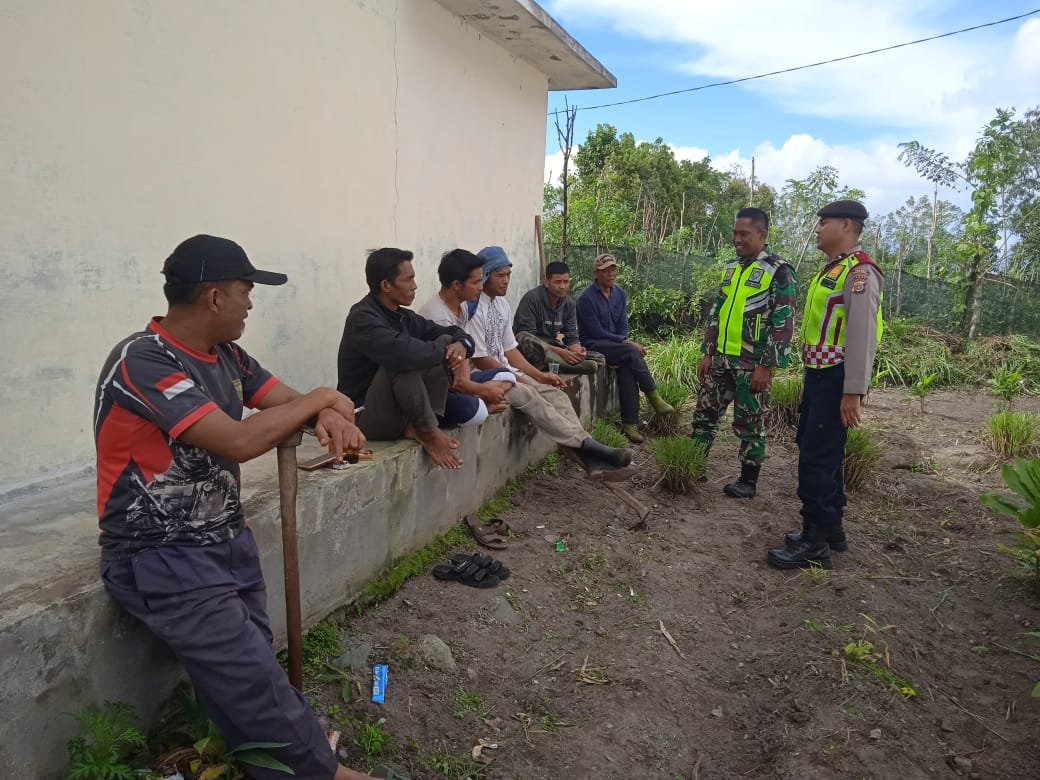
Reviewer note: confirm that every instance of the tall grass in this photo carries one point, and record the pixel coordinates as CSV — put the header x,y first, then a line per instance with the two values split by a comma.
x,y
861,456
605,431
676,394
682,461
675,360
909,353
782,414
1011,434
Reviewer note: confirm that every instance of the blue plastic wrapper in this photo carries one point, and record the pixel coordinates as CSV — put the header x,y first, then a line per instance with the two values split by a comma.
x,y
379,682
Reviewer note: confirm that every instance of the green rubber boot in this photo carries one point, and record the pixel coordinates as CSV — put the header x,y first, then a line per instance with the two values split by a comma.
x,y
660,405
632,433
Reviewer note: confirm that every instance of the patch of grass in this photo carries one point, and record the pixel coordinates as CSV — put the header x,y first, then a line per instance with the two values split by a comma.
x,y
675,360
403,569
676,394
782,414
605,431
467,701
373,741
861,456
816,574
319,644
909,352
682,461
454,767
812,625
501,503
1012,434
549,465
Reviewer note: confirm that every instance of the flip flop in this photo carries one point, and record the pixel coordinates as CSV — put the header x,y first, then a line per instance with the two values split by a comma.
x,y
493,565
485,535
467,572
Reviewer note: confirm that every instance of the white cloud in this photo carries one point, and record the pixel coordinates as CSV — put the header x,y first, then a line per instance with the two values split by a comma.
x,y
554,166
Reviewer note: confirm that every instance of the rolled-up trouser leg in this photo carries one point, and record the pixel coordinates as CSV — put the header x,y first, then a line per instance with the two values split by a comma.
x,y
209,605
550,410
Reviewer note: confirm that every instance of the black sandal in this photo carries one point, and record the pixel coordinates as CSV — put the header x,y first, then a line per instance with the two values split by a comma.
x,y
493,565
467,572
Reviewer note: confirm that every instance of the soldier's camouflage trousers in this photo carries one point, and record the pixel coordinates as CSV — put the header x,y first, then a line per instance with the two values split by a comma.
x,y
726,386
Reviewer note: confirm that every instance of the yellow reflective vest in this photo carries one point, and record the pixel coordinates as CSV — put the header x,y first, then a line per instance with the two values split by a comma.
x,y
746,289
822,332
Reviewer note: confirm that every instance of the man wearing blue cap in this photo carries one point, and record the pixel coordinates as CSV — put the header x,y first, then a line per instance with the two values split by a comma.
x,y
175,549
537,394
840,332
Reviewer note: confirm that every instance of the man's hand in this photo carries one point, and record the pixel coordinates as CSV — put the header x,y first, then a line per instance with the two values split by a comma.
x,y
578,349
454,354
761,378
548,378
334,427
493,392
850,410
703,369
568,355
637,345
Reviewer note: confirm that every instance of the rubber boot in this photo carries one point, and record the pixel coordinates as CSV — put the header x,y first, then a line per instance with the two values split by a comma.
x,y
632,433
835,538
745,486
593,450
812,550
660,405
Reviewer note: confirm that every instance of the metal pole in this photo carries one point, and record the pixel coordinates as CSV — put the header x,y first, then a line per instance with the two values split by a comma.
x,y
288,484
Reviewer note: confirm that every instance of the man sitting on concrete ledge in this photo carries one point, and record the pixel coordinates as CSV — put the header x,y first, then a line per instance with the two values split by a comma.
x,y
537,394
546,326
461,276
175,549
401,366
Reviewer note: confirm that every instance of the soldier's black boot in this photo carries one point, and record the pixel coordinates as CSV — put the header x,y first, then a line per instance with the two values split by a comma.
x,y
745,486
835,538
812,549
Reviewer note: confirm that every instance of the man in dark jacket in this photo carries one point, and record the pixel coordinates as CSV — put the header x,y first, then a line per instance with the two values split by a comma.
x,y
546,325
398,365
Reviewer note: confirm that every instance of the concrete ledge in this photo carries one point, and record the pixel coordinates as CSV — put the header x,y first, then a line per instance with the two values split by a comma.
x,y
65,645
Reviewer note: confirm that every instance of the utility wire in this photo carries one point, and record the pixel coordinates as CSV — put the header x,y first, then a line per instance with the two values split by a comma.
x,y
803,67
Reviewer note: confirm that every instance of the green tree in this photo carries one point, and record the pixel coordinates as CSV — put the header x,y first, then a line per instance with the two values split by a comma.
x,y
795,217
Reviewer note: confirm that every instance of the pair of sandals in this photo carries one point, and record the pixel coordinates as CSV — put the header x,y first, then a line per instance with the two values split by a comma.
x,y
475,570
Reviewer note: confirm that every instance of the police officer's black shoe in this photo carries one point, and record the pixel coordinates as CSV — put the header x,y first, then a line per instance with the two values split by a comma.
x,y
808,552
836,539
745,486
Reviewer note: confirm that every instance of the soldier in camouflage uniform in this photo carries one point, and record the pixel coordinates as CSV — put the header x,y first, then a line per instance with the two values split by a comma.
x,y
748,335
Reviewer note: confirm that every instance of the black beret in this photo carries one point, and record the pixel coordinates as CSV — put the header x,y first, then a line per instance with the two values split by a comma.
x,y
844,209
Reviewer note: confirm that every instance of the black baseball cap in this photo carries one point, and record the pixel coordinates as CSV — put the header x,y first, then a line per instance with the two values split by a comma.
x,y
205,258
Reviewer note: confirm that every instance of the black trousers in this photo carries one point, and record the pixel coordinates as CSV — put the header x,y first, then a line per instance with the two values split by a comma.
x,y
632,375
821,449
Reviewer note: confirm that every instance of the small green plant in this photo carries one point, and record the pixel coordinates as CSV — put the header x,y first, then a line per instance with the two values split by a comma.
x,y
873,654
812,625
109,736
373,741
922,386
675,360
677,395
782,413
454,767
1011,434
320,644
861,456
467,701
216,762
605,431
1006,383
682,461
1023,478
816,574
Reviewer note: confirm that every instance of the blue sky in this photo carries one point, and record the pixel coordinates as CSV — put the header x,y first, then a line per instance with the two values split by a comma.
x,y
851,115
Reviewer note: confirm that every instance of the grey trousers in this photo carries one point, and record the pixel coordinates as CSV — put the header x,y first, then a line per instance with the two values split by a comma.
x,y
550,410
397,398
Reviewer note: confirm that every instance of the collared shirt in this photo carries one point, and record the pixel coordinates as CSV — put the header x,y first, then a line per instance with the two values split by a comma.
x,y
535,314
601,318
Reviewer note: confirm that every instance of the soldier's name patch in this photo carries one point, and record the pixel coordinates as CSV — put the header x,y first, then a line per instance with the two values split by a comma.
x,y
755,278
728,276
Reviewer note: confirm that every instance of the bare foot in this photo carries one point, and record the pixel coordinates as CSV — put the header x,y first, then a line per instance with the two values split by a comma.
x,y
438,445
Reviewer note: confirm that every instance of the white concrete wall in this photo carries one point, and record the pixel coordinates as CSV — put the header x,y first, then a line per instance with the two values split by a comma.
x,y
308,131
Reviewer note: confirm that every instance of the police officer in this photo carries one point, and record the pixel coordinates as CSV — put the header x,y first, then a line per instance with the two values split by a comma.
x,y
749,333
841,328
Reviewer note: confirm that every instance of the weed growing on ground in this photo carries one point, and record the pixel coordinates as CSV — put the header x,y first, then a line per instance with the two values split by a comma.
x,y
782,413
405,568
922,386
874,655
109,737
454,767
682,461
1024,479
1011,434
320,644
861,456
373,741
1006,383
675,360
467,701
674,393
605,431
909,352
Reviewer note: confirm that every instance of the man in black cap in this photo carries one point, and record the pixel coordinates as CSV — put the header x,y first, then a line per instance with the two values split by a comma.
x,y
175,549
841,328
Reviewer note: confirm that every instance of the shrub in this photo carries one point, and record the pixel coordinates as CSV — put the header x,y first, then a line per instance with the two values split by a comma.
x,y
1024,479
1006,383
676,394
675,360
782,413
1011,434
861,455
101,753
682,461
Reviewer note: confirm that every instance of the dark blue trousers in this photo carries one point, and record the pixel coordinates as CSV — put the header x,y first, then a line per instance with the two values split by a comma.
x,y
632,375
821,450
209,604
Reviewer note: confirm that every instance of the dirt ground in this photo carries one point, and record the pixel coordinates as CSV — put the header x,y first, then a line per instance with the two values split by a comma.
x,y
755,685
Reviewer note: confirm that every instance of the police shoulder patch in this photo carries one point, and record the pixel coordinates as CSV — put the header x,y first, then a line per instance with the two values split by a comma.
x,y
858,278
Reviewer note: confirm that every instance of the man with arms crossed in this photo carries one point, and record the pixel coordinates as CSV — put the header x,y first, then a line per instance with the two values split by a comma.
x,y
546,325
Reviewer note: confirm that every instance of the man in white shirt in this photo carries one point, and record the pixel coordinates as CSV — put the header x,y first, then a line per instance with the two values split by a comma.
x,y
537,394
